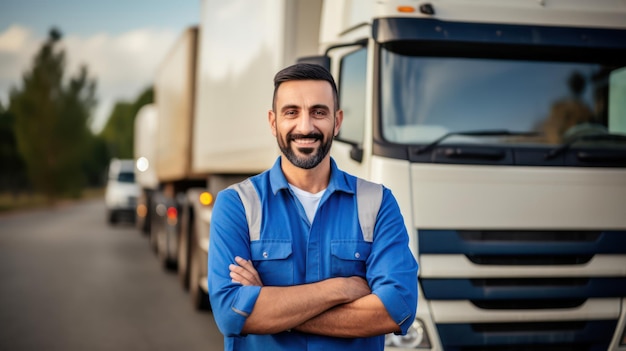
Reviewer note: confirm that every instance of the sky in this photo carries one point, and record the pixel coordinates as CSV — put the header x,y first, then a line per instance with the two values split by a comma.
x,y
121,41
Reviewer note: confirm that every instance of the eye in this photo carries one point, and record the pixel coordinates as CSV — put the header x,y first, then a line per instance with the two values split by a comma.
x,y
290,113
319,113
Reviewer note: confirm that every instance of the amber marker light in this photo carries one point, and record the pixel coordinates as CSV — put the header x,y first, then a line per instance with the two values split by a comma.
x,y
406,9
142,210
206,198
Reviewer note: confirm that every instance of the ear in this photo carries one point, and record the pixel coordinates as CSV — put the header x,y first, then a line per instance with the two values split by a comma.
x,y
271,118
338,121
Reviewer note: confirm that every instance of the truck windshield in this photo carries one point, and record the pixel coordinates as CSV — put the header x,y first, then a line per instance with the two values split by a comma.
x,y
425,98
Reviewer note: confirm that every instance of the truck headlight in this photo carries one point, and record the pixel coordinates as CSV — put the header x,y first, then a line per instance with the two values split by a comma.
x,y
415,338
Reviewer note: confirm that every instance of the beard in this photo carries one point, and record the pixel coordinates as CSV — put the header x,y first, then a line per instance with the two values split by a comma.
x,y
311,156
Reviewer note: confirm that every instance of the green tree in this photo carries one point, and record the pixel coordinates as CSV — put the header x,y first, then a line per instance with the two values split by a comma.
x,y
146,97
119,130
12,173
51,119
94,166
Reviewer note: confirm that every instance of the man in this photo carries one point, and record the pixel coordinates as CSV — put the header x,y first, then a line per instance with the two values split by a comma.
x,y
307,279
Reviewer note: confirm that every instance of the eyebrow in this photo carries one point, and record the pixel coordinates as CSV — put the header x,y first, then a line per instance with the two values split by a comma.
x,y
320,106
289,107
314,107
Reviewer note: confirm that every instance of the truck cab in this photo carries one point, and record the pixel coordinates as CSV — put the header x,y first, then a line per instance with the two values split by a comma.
x,y
500,127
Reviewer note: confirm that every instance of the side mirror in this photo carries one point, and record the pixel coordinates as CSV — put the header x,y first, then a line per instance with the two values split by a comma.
x,y
323,61
356,153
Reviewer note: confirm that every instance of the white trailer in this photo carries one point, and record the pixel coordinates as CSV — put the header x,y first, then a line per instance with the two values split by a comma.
x,y
212,94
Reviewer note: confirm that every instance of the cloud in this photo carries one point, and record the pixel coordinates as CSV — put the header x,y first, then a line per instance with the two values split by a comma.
x,y
123,65
14,39
17,48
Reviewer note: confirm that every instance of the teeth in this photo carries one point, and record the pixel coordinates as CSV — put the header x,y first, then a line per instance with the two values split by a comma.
x,y
305,141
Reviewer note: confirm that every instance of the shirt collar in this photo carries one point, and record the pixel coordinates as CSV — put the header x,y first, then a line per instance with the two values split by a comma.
x,y
338,179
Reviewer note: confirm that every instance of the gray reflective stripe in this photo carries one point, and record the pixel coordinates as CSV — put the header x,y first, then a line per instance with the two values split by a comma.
x,y
252,206
369,196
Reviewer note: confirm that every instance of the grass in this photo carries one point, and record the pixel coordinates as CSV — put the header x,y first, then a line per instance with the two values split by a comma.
x,y
27,201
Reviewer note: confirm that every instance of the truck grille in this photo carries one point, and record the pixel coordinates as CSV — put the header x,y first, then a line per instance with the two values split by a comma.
x,y
526,308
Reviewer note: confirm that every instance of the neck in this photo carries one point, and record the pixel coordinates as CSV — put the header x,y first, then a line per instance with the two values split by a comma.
x,y
312,180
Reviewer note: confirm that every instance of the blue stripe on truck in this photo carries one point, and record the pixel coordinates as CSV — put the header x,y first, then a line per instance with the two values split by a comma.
x,y
589,335
523,288
521,242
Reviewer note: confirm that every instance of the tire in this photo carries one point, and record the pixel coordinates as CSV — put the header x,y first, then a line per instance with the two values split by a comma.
x,y
112,217
199,299
188,230
153,235
163,251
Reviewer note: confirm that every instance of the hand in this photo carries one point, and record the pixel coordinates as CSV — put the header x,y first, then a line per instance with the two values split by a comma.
x,y
244,273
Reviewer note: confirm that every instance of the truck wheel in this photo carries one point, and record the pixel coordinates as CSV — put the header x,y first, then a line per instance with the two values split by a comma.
x,y
154,233
199,299
163,251
183,251
162,256
111,217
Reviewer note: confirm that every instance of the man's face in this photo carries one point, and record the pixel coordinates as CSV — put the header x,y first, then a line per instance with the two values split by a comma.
x,y
304,121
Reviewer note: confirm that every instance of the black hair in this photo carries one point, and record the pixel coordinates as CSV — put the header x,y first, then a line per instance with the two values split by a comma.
x,y
304,71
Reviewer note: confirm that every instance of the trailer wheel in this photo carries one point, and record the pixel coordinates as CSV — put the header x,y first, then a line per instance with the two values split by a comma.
x,y
199,299
156,224
163,255
112,217
188,231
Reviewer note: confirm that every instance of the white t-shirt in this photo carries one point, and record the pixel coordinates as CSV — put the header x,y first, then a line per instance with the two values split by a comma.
x,y
309,201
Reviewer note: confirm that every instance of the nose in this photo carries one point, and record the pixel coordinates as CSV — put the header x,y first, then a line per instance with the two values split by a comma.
x,y
305,124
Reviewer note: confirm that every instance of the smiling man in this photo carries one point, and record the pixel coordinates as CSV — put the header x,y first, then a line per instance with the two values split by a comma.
x,y
292,265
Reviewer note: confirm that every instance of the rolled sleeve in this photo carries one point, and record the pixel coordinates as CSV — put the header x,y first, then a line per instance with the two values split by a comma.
x,y
399,310
392,269
233,320
231,302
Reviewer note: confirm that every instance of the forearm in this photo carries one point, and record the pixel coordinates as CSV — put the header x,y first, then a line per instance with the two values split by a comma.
x,y
281,308
364,317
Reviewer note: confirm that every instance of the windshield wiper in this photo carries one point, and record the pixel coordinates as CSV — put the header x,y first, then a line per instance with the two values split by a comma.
x,y
488,132
589,137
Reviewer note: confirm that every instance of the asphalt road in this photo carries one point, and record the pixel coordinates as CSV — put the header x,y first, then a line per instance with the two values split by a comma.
x,y
69,281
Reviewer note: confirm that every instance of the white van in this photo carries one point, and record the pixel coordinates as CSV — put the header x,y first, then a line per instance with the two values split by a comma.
x,y
121,191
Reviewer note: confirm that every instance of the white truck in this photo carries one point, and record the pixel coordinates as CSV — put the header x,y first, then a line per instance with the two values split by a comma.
x,y
120,196
500,126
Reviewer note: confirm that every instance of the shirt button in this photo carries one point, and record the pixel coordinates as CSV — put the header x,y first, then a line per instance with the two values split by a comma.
x,y
265,254
357,255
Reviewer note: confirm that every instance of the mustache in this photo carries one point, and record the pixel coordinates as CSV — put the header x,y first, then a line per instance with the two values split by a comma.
x,y
316,136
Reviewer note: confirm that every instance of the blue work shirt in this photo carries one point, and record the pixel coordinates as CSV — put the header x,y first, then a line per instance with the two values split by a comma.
x,y
292,251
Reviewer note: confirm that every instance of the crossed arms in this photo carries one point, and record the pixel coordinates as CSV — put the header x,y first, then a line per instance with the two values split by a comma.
x,y
339,307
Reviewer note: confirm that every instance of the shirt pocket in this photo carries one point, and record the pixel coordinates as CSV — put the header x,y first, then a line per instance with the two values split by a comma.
x,y
349,257
273,260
